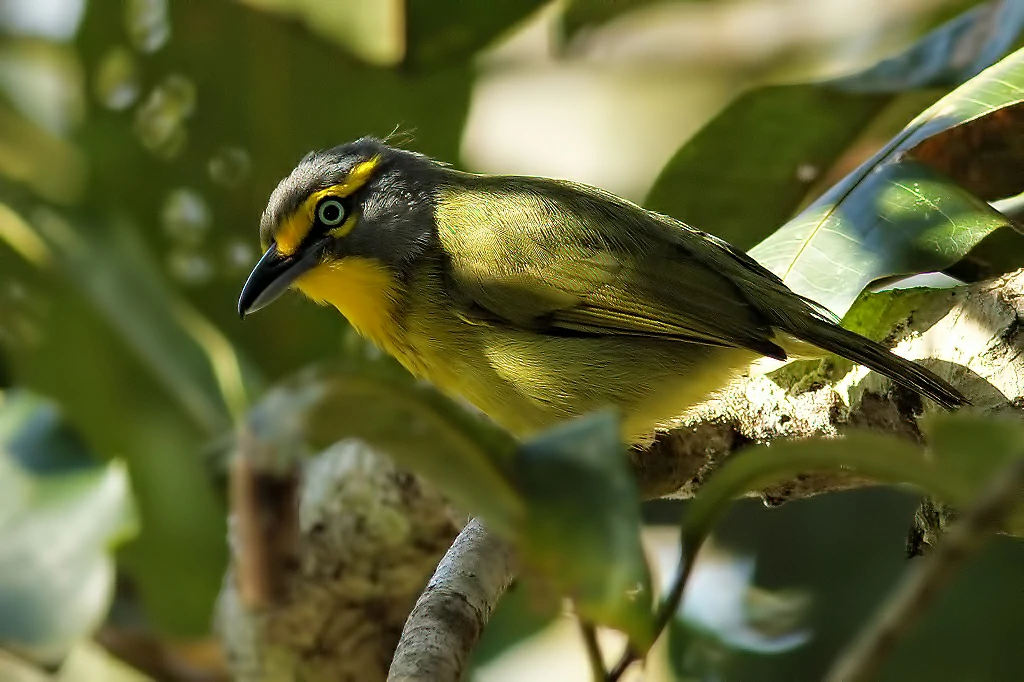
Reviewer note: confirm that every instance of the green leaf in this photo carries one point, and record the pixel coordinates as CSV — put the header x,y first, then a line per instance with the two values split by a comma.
x,y
751,167
113,270
875,315
521,614
423,431
883,458
746,171
582,14
33,432
973,448
954,471
439,31
572,502
415,32
583,524
951,54
903,218
880,457
893,216
370,31
56,572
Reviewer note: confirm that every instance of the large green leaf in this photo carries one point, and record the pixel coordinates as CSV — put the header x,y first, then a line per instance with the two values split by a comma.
x,y
34,433
582,14
881,457
582,529
414,32
904,218
112,269
57,526
951,54
115,334
467,457
953,471
751,167
439,31
567,497
746,172
892,215
884,458
973,449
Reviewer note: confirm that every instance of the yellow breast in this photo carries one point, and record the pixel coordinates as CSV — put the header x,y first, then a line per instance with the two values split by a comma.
x,y
366,293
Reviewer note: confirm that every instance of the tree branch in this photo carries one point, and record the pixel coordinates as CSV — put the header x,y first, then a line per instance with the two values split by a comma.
x,y
449,616
971,336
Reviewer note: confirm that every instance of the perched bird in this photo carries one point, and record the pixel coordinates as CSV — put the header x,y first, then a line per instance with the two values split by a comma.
x,y
536,299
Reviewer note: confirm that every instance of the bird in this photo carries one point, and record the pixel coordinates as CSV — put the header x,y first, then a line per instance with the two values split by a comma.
x,y
534,299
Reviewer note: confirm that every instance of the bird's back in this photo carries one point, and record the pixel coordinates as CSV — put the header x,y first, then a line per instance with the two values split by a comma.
x,y
546,299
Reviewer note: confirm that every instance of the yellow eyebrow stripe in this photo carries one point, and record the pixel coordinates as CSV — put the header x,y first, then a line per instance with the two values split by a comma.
x,y
295,227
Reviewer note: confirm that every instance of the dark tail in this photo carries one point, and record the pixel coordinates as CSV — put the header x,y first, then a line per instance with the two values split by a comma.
x,y
835,339
812,323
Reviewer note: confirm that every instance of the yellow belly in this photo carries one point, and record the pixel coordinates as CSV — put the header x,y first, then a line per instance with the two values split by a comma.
x,y
524,381
527,381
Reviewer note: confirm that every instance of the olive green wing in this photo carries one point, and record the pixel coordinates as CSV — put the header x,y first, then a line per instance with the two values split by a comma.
x,y
563,259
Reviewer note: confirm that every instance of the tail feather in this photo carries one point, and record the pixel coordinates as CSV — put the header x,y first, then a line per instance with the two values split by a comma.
x,y
813,323
835,339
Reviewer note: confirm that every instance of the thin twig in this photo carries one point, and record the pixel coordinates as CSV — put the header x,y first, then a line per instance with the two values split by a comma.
x,y
863,659
668,608
449,616
589,634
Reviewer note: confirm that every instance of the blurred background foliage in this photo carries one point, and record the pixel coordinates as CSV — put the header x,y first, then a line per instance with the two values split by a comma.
x,y
139,140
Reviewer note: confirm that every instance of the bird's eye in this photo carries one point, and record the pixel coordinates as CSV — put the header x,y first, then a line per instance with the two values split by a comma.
x,y
330,212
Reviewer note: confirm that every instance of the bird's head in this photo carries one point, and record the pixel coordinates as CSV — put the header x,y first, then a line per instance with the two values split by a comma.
x,y
360,207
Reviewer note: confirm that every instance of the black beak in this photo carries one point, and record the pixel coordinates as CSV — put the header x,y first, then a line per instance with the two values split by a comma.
x,y
272,276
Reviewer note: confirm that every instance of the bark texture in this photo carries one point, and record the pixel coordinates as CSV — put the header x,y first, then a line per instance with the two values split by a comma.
x,y
449,616
971,336
369,537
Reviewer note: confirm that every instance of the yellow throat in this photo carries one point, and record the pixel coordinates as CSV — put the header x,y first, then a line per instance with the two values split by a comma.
x,y
362,290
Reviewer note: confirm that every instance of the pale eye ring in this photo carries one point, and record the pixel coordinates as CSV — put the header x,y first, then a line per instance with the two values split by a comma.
x,y
330,212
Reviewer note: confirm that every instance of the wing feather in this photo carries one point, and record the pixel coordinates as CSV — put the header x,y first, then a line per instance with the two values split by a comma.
x,y
567,259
